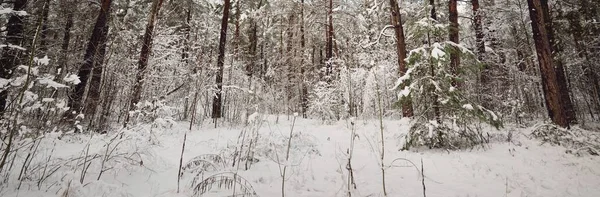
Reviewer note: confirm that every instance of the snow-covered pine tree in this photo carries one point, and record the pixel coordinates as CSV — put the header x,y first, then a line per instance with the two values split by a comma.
x,y
445,116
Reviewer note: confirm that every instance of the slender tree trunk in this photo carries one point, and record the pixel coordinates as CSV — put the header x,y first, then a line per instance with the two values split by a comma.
x,y
253,48
329,54
288,61
144,55
433,11
434,100
44,32
185,58
550,84
216,110
95,88
92,55
455,55
11,56
558,65
236,40
485,73
479,36
61,68
304,89
407,109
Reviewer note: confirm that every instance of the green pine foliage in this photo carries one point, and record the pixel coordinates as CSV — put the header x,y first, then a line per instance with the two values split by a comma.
x,y
445,117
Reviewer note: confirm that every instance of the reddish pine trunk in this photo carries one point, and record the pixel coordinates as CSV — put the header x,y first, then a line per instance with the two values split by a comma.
x,y
93,55
216,110
144,55
455,55
559,65
550,84
407,109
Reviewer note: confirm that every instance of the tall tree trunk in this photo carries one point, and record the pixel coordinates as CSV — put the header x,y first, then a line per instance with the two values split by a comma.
x,y
407,109
236,40
252,48
329,48
61,68
434,100
304,89
216,108
480,45
288,60
433,11
95,88
550,86
144,55
558,65
44,31
453,34
185,58
11,56
94,55
477,23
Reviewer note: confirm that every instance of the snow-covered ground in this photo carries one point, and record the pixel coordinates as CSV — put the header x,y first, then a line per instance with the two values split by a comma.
x,y
145,163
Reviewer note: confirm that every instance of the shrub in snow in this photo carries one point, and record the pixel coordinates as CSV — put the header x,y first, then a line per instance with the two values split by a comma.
x,y
445,117
155,112
325,101
579,141
225,183
31,99
201,164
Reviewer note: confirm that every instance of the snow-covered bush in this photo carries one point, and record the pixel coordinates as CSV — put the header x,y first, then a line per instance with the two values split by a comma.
x,y
578,141
155,112
325,101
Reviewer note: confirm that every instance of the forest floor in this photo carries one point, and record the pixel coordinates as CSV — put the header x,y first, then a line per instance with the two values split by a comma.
x,y
144,162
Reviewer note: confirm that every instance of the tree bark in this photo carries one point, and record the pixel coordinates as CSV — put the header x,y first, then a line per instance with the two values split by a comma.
x,y
558,65
11,56
61,69
236,40
216,108
94,55
479,36
289,57
144,55
453,34
407,109
44,31
329,48
304,89
253,47
433,11
550,84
